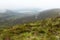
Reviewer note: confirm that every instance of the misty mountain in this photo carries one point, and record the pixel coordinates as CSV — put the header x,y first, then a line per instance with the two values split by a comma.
x,y
49,13
39,16
12,15
10,18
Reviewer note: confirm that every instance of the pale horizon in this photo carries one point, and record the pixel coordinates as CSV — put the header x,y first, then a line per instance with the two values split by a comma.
x,y
26,4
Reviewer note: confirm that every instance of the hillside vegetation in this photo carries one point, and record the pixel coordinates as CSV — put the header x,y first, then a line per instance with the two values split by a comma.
x,y
46,29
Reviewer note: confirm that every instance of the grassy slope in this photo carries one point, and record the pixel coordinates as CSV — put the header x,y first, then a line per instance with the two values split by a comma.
x,y
47,29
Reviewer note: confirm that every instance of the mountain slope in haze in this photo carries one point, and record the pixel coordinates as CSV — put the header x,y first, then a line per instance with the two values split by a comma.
x,y
40,15
10,13
49,13
11,18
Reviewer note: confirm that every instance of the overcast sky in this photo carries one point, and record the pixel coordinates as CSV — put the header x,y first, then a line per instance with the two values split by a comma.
x,y
20,4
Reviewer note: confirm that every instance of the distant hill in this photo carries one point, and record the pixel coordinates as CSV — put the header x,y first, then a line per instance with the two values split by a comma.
x,y
10,18
49,13
39,16
12,15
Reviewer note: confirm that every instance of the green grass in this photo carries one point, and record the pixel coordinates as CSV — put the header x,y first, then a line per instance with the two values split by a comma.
x,y
47,29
